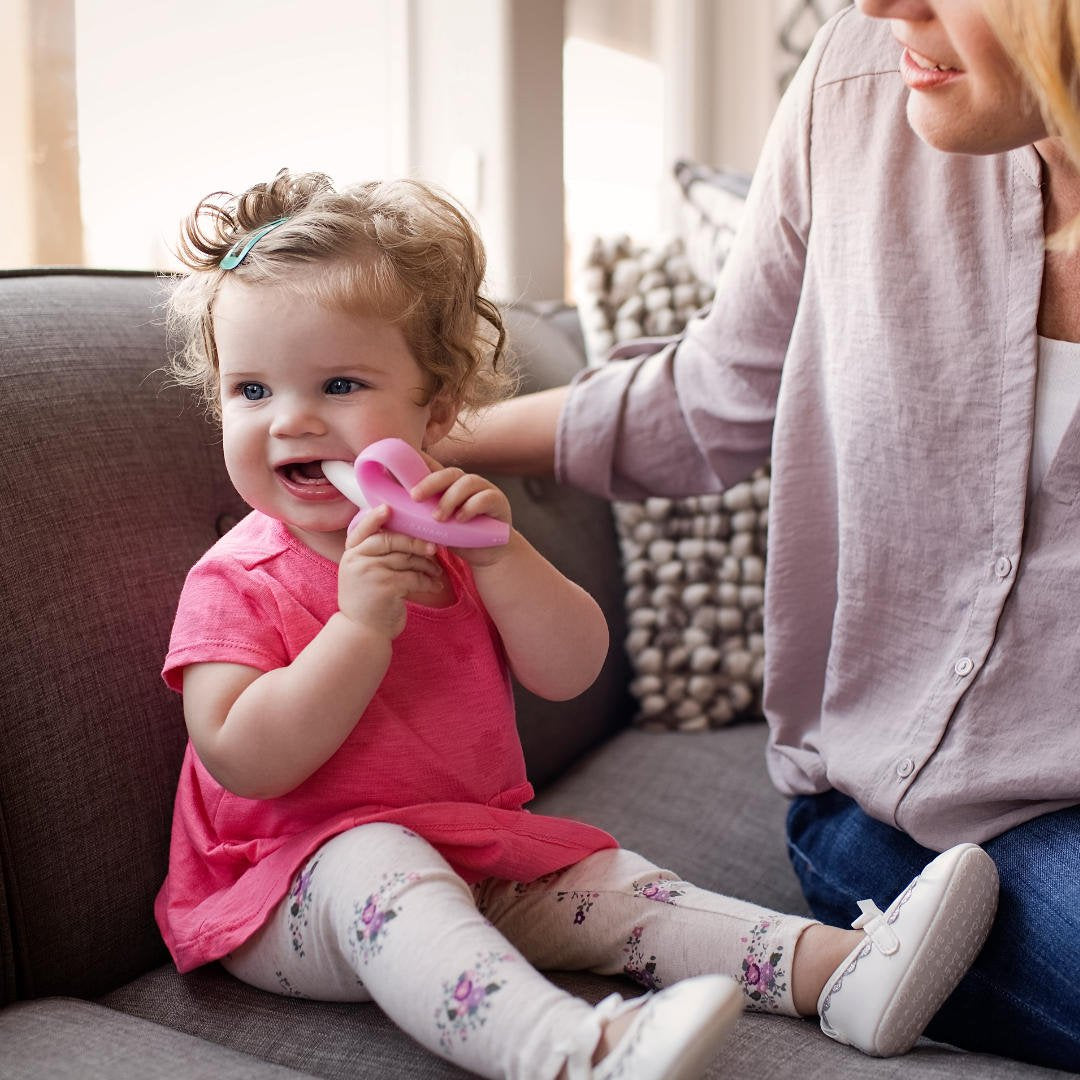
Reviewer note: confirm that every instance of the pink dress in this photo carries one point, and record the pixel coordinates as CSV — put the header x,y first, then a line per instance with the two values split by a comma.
x,y
436,750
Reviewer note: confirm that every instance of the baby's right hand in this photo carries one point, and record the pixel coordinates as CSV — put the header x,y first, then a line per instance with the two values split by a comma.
x,y
379,570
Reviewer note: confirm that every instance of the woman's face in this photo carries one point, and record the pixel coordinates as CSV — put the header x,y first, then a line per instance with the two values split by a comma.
x,y
965,95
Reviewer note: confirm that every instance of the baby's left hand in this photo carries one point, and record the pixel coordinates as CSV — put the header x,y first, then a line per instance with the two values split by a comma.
x,y
463,496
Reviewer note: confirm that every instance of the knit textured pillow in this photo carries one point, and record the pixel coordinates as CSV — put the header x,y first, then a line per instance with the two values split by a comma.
x,y
712,203
694,568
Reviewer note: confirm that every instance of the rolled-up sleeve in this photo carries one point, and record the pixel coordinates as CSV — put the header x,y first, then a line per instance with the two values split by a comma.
x,y
697,415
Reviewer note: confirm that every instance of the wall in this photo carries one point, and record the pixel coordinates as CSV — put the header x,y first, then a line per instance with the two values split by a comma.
x,y
17,236
39,166
486,122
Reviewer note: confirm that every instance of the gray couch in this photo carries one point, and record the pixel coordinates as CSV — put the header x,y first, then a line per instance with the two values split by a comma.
x,y
112,485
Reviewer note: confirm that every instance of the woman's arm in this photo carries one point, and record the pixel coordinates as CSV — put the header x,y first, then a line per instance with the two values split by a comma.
x,y
696,417
515,436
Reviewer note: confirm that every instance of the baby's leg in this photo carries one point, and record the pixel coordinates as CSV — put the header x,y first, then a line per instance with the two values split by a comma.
x,y
378,913
617,913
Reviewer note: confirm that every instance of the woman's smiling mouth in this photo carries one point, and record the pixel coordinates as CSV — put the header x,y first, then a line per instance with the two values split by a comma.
x,y
921,73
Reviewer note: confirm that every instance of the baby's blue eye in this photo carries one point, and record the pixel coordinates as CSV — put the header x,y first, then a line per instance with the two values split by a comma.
x,y
254,391
342,385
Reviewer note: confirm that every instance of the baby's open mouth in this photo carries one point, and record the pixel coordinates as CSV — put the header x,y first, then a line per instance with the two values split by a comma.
x,y
303,472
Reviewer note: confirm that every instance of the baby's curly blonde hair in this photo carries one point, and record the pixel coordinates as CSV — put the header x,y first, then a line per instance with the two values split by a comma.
x,y
399,250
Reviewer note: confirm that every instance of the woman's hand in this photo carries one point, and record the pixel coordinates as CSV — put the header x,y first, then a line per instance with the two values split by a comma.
x,y
463,496
380,570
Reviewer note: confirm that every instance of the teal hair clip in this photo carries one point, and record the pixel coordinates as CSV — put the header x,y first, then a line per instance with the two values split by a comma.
x,y
236,254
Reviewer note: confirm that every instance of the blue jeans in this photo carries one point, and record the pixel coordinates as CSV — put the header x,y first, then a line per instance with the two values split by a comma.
x,y
1021,998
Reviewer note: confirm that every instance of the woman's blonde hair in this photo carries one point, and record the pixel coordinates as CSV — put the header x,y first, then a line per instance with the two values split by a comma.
x,y
1043,40
399,250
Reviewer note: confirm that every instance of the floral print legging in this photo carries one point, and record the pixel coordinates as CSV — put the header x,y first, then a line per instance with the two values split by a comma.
x,y
378,914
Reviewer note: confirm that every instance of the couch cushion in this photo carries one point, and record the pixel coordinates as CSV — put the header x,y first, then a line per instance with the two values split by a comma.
x,y
357,1042
328,1039
781,1047
68,1039
700,804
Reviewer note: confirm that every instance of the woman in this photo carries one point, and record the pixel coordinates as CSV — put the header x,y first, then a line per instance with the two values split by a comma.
x,y
891,327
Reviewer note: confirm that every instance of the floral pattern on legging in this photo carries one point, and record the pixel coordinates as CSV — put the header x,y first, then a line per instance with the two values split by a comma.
x,y
764,978
300,905
467,998
371,919
583,902
638,966
523,887
663,892
287,987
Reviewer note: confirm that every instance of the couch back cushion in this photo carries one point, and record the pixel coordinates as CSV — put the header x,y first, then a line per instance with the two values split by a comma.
x,y
111,486
576,532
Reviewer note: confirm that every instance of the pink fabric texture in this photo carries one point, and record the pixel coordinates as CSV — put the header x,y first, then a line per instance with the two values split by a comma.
x,y
436,750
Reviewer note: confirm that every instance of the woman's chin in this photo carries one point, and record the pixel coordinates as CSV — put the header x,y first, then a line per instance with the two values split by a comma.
x,y
965,131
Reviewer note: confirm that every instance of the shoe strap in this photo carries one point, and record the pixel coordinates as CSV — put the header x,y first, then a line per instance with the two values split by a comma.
x,y
577,1053
579,1049
872,923
614,1005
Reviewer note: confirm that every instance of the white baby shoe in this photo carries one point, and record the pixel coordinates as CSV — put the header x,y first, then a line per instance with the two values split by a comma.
x,y
674,1035
888,988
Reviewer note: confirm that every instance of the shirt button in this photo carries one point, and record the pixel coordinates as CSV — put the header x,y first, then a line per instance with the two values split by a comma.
x,y
1004,567
904,768
964,666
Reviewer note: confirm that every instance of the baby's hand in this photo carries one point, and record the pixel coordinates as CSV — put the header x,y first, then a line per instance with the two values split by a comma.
x,y
380,570
464,496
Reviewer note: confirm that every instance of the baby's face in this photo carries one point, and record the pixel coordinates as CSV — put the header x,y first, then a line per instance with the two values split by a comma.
x,y
301,384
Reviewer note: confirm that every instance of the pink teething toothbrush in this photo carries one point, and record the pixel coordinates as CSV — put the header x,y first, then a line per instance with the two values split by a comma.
x,y
384,473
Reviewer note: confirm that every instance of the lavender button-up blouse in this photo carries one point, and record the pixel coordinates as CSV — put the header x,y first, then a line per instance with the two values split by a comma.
x,y
874,330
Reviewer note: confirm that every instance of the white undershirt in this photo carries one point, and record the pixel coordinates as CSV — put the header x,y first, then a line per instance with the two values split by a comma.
x,y
1057,395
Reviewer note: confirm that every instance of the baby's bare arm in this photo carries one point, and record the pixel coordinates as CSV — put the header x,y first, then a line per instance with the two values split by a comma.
x,y
260,734
554,632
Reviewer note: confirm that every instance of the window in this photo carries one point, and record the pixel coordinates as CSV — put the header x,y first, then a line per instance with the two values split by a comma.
x,y
117,117
202,96
615,164
169,102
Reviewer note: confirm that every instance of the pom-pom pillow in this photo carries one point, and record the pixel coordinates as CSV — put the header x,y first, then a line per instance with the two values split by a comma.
x,y
694,568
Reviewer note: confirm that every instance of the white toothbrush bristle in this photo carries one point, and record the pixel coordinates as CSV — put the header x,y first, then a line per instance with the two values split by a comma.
x,y
343,477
